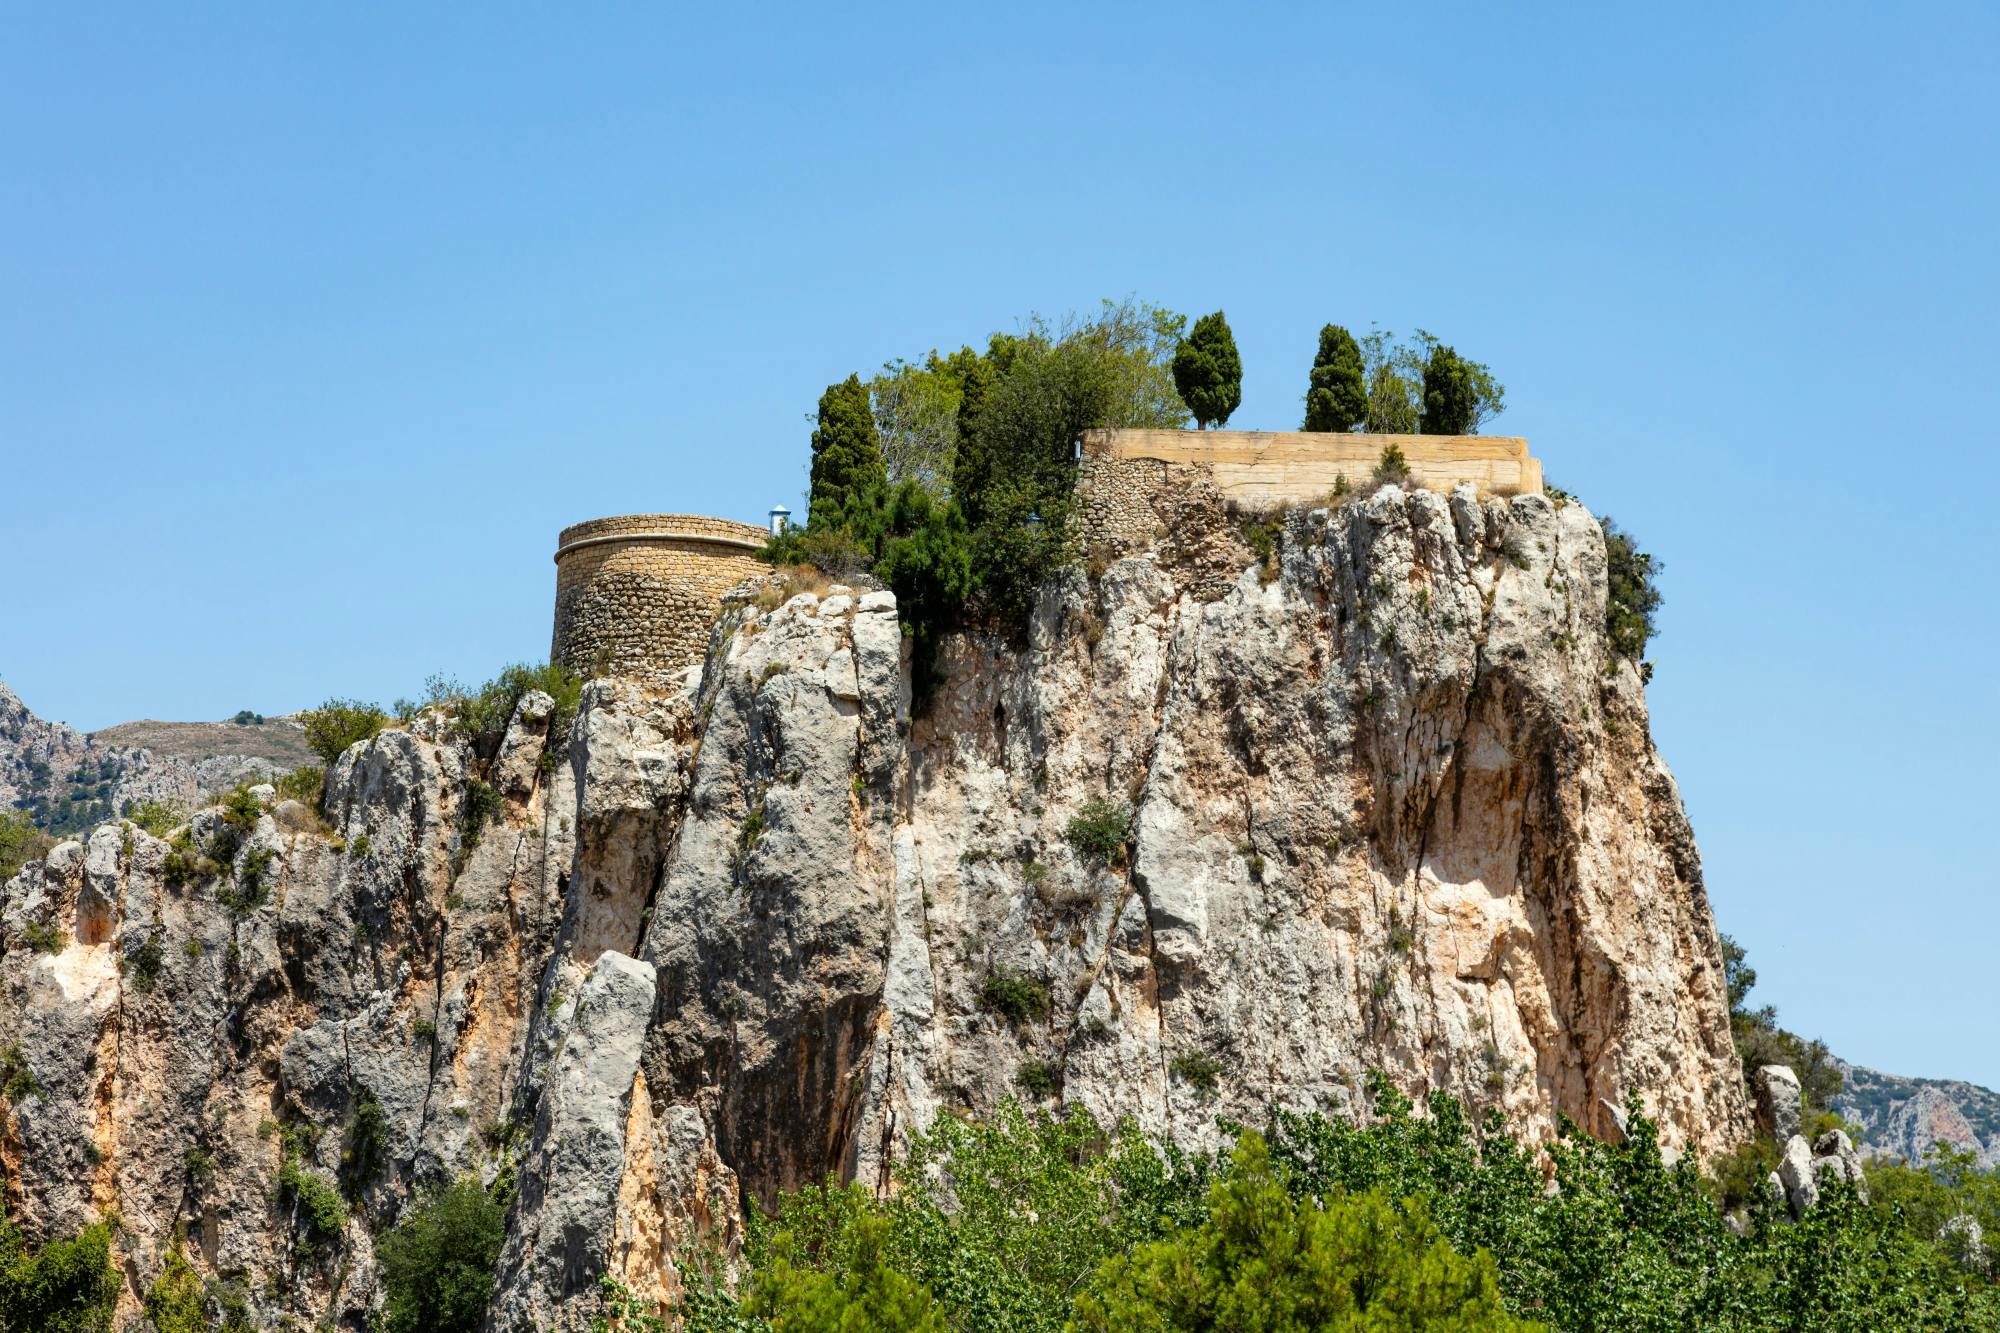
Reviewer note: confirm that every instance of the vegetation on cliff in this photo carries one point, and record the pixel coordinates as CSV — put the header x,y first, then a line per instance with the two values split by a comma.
x,y
1208,372
1037,1222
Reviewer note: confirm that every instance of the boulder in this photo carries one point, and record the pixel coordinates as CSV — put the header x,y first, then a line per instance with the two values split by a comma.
x,y
1780,1103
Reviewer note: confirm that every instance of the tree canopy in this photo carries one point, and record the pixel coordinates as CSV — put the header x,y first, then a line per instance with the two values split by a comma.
x,y
846,453
1337,391
1208,373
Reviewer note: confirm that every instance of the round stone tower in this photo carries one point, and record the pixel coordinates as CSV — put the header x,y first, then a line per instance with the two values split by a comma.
x,y
636,596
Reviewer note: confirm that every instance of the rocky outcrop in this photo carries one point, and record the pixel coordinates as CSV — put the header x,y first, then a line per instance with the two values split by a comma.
x,y
1780,1102
1904,1117
1218,832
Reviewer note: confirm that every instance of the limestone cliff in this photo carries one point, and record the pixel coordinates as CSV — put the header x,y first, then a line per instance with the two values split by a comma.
x,y
1390,804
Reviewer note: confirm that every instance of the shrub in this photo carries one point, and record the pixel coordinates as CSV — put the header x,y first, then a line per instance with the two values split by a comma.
x,y
1208,373
315,1202
20,843
1037,1078
156,817
1392,466
142,962
306,785
1633,601
1098,832
423,1029
1198,1069
1015,995
482,714
438,1263
339,723
69,1286
367,1146
1337,391
43,938
17,1081
174,1301
483,804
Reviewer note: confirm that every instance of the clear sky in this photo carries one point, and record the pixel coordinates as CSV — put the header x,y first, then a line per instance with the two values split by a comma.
x,y
317,322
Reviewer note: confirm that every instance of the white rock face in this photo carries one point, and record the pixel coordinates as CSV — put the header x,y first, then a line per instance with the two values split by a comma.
x,y
1385,804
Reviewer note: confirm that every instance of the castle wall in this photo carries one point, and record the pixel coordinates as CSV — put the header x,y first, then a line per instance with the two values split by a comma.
x,y
636,595
1267,469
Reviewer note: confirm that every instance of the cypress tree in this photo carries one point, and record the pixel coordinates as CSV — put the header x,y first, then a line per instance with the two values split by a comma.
x,y
1208,374
1337,393
847,455
1451,395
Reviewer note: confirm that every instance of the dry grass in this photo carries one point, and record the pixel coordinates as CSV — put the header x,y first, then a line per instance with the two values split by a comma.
x,y
280,741
787,583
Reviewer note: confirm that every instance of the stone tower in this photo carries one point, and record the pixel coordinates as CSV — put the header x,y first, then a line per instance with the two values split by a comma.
x,y
637,595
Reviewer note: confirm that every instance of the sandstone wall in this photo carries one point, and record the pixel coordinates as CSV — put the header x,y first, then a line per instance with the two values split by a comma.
x,y
1266,469
636,595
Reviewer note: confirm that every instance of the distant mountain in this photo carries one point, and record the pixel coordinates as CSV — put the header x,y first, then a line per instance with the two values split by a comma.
x,y
67,781
1904,1116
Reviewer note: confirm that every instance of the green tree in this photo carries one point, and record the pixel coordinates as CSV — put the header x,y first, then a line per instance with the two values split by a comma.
x,y
68,1287
1208,373
1337,392
20,843
1632,600
1266,1262
438,1263
917,407
866,1295
1450,402
174,1301
339,723
846,453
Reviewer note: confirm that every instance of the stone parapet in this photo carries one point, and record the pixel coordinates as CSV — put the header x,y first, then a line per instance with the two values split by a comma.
x,y
1268,469
637,594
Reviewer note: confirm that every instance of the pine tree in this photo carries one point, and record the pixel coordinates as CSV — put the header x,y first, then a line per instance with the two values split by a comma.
x,y
1337,394
1208,373
847,455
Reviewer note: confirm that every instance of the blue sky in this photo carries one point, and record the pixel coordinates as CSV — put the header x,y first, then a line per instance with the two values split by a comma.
x,y
316,323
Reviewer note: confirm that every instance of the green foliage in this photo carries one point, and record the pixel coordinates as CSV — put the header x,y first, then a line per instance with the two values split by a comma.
x,y
1634,601
976,556
438,1263
1098,831
864,1295
315,1202
1449,398
305,785
338,723
17,1080
1392,466
1037,1078
69,1286
1422,385
156,817
1198,1069
44,938
20,843
142,962
482,806
1337,392
846,453
1268,1262
622,1312
1208,373
1015,996
367,1146
481,713
174,1301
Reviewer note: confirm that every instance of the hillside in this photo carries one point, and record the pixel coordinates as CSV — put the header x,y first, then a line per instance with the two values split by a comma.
x,y
278,741
1248,813
1903,1117
66,781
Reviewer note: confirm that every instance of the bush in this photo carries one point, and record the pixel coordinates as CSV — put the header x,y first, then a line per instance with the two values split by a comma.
x,y
1098,832
156,817
1208,373
20,843
174,1301
68,1287
17,1081
483,804
306,785
1015,995
1634,601
339,723
44,938
1337,391
142,962
315,1202
1198,1069
367,1147
482,714
1037,1078
438,1263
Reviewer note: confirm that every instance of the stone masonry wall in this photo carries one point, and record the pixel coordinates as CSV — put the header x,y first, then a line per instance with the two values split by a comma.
x,y
636,595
